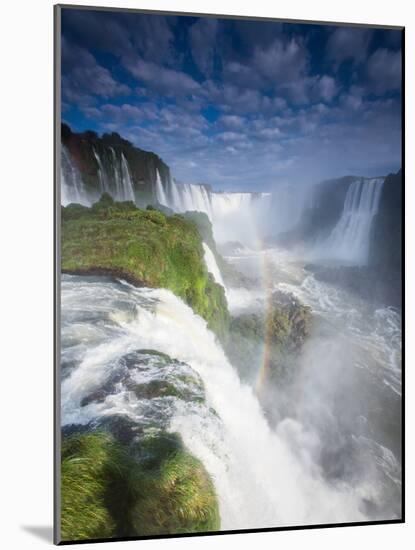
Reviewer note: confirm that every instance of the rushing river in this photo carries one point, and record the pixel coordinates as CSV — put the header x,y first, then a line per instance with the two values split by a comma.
x,y
333,455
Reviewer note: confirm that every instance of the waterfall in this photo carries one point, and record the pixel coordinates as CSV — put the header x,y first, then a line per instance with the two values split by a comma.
x,y
229,203
349,240
263,477
117,173
101,172
190,196
212,265
114,178
239,216
174,199
160,192
127,184
72,187
183,197
234,216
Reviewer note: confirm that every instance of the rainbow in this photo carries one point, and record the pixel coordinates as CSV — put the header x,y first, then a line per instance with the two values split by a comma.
x,y
268,285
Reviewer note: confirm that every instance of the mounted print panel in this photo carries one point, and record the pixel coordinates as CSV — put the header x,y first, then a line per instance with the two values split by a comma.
x,y
229,286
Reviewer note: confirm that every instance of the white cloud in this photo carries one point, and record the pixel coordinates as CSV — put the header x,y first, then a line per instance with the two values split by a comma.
x,y
348,43
283,62
83,76
327,87
202,43
162,79
384,70
232,122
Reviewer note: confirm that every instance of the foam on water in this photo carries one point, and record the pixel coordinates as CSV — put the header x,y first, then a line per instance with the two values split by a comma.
x,y
376,331
260,477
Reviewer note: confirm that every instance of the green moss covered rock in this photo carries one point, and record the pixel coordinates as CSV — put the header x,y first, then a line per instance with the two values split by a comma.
x,y
149,488
282,328
176,494
145,247
164,377
94,471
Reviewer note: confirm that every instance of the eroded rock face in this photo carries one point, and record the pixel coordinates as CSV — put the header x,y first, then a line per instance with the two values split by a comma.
x,y
386,234
385,256
290,320
99,161
321,216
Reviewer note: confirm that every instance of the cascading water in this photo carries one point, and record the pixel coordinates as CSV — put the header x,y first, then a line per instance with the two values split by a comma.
x,y
102,176
234,216
347,381
117,173
349,240
212,265
160,192
243,217
127,184
260,477
188,196
72,188
113,173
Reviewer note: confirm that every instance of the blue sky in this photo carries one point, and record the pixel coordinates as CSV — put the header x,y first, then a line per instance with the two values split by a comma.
x,y
242,105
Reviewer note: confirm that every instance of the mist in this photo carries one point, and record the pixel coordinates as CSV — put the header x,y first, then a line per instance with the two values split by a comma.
x,y
302,422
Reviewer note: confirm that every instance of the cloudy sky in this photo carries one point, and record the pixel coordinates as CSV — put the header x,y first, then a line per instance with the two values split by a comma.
x,y
237,104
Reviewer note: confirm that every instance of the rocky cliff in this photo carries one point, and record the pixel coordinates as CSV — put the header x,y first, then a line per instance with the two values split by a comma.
x,y
386,234
110,164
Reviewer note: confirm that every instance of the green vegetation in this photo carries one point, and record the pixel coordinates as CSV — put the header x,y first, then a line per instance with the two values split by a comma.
x,y
230,275
145,247
204,227
283,329
170,378
152,487
95,471
176,495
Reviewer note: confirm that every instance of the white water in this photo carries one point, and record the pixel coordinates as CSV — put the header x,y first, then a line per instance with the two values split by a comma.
x,y
188,196
117,173
264,477
375,330
260,477
212,265
233,215
124,189
236,216
347,389
117,181
102,176
128,190
349,240
160,193
72,187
